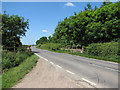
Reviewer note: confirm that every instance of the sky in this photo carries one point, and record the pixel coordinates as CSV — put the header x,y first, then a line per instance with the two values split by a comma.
x,y
43,16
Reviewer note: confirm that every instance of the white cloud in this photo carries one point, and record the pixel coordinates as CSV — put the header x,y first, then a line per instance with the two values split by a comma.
x,y
44,30
69,4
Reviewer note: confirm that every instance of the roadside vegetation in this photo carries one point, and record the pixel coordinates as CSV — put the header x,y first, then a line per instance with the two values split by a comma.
x,y
104,51
107,51
17,59
13,75
97,30
13,59
50,46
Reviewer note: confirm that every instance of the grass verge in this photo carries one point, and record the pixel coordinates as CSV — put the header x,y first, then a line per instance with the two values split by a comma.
x,y
104,58
13,75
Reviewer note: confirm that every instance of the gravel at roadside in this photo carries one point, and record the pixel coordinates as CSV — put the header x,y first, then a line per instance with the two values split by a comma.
x,y
45,75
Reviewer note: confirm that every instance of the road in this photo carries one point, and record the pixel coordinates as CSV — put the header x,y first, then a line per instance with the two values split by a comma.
x,y
99,74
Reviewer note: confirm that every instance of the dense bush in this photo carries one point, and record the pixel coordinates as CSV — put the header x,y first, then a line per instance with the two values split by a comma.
x,y
119,47
12,59
22,49
39,45
103,49
13,75
51,46
68,46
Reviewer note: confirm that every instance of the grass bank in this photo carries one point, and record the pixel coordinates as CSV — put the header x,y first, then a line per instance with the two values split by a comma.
x,y
13,75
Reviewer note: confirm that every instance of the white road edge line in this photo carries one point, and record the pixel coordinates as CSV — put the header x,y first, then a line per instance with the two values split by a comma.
x,y
88,81
58,66
47,60
69,72
41,57
52,63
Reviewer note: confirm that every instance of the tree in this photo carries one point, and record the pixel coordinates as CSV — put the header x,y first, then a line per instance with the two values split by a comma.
x,y
89,6
42,40
13,28
50,39
37,42
90,26
75,13
85,8
95,8
106,2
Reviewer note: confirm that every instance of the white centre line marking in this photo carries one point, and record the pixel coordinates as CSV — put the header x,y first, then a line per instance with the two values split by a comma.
x,y
58,66
88,81
106,67
46,59
69,72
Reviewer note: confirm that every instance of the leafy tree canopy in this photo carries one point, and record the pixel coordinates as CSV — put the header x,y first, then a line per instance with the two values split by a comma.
x,y
89,26
42,40
13,28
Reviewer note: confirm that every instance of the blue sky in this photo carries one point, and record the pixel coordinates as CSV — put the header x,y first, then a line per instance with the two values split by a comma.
x,y
43,16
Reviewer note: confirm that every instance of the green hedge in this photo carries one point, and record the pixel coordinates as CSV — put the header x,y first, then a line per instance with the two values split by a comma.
x,y
13,75
51,46
12,59
103,49
119,47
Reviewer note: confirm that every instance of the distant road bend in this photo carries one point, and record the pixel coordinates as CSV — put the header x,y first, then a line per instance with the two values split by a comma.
x,y
99,74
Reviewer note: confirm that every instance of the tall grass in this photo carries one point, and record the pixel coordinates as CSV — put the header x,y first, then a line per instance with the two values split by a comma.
x,y
13,59
14,74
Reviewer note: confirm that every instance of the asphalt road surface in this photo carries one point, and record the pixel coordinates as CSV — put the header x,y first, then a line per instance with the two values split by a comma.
x,y
97,73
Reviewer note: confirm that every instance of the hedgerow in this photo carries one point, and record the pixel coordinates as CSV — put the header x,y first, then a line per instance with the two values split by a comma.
x,y
103,49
